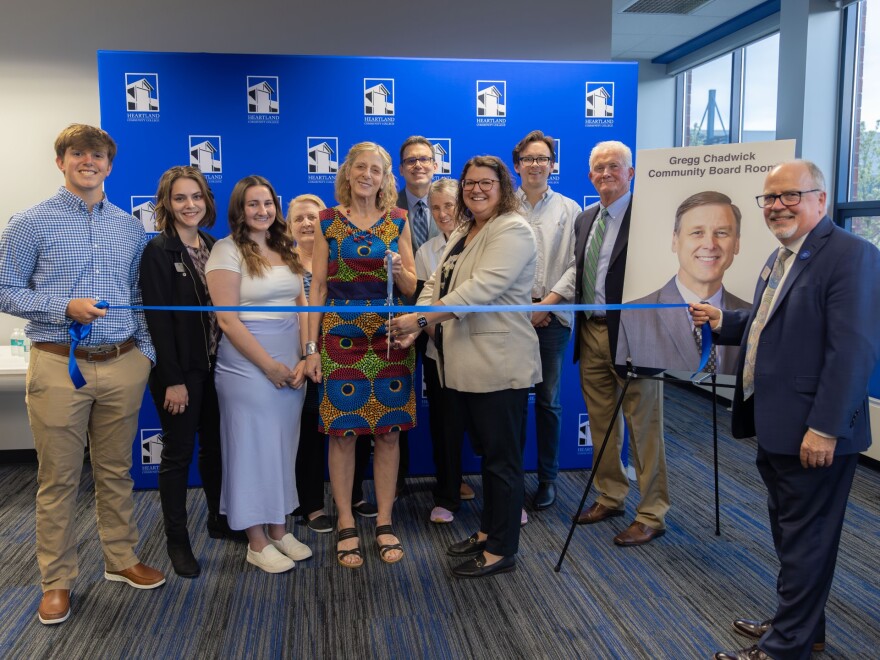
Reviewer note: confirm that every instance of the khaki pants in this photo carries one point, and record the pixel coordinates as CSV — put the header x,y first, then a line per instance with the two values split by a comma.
x,y
643,411
105,411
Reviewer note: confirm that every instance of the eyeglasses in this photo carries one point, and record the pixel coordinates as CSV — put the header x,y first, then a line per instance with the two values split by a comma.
x,y
533,160
788,198
485,184
421,160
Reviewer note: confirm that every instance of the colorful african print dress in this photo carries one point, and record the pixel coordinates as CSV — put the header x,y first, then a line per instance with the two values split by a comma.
x,y
364,393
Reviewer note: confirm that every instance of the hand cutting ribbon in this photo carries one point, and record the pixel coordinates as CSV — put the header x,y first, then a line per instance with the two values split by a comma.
x,y
78,332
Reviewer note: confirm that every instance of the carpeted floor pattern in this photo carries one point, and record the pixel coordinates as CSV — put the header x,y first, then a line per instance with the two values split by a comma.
x,y
674,598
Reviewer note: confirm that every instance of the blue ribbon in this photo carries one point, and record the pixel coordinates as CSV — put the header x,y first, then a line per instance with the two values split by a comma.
x,y
706,343
78,332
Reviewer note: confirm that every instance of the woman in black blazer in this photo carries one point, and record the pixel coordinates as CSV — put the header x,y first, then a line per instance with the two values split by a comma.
x,y
182,381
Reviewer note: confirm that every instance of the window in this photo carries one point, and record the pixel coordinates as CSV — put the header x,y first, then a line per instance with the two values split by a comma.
x,y
731,98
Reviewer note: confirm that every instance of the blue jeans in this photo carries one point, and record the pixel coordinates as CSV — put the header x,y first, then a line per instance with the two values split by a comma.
x,y
552,340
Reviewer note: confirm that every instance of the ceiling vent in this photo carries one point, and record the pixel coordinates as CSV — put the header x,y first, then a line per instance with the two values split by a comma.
x,y
680,7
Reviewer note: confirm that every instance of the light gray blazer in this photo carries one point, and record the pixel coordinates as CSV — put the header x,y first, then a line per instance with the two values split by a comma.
x,y
488,351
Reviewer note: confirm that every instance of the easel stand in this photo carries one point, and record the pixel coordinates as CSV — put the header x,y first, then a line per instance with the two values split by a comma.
x,y
630,376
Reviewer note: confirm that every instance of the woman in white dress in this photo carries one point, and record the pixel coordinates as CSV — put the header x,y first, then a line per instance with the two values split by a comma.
x,y
259,374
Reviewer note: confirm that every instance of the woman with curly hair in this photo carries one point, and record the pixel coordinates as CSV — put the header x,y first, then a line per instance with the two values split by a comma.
x,y
259,373
368,389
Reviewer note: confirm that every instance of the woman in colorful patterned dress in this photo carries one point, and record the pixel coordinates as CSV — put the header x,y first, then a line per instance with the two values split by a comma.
x,y
368,389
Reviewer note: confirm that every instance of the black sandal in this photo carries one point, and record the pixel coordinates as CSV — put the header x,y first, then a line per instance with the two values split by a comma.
x,y
344,535
383,549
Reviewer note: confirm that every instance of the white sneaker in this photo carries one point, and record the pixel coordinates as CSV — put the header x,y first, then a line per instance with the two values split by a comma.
x,y
288,545
270,560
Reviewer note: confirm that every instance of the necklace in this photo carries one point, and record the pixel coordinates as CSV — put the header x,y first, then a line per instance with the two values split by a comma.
x,y
357,234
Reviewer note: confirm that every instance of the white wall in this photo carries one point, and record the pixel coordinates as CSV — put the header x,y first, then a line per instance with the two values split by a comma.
x,y
48,66
655,128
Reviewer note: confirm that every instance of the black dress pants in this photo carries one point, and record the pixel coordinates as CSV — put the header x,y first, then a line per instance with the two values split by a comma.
x,y
201,416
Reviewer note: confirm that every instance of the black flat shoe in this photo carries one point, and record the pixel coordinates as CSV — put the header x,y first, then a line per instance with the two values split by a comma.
x,y
470,546
546,495
218,528
477,567
322,524
183,560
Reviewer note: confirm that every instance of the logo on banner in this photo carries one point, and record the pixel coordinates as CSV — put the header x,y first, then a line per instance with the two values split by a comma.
x,y
442,154
585,438
491,102
142,97
143,207
205,154
589,200
378,101
599,104
323,159
262,99
151,449
553,178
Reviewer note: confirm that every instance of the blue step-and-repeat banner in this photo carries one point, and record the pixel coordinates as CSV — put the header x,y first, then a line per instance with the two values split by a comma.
x,y
292,119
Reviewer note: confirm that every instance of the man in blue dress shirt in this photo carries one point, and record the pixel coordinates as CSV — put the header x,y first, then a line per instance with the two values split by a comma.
x,y
57,260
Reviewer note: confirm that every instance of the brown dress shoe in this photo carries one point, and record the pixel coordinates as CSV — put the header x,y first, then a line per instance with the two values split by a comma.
x,y
756,630
598,513
139,576
638,534
751,653
55,606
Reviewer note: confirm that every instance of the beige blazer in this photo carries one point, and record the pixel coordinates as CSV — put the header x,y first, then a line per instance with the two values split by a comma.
x,y
487,351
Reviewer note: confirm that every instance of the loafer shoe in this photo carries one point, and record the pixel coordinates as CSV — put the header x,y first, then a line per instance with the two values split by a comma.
x,y
598,513
441,516
523,518
322,524
54,607
270,560
288,545
637,534
139,576
183,561
477,567
756,630
546,495
366,509
472,545
465,492
751,653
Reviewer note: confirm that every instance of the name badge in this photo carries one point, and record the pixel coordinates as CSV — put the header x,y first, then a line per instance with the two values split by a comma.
x,y
765,273
180,268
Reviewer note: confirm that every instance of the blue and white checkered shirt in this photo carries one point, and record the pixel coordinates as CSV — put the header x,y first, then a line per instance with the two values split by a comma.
x,y
57,251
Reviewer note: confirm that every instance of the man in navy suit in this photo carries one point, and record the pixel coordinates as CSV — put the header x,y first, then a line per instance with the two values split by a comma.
x,y
705,238
601,238
808,347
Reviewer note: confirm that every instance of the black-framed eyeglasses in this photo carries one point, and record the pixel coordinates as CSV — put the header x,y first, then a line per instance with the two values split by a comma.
x,y
484,184
788,198
533,160
421,160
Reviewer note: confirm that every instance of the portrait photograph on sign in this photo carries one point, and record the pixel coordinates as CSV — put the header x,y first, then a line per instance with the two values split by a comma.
x,y
696,235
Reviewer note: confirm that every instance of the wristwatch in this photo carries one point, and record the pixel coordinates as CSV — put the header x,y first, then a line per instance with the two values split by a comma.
x,y
311,348
422,321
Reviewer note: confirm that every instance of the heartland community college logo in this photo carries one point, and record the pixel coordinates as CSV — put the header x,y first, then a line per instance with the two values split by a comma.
x,y
322,155
442,154
585,438
589,200
143,207
599,103
379,96
491,98
142,92
151,447
262,95
558,148
204,153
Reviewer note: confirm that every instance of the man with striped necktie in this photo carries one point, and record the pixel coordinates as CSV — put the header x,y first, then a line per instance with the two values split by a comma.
x,y
601,234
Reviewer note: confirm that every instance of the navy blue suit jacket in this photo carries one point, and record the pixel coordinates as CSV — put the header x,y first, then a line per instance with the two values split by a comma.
x,y
818,347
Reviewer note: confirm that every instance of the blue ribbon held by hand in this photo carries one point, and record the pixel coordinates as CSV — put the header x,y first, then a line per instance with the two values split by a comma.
x,y
78,332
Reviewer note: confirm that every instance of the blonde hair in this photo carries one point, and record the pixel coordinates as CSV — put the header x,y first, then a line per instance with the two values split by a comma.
x,y
386,198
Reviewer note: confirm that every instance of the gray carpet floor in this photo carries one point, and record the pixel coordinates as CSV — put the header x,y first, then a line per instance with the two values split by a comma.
x,y
674,598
